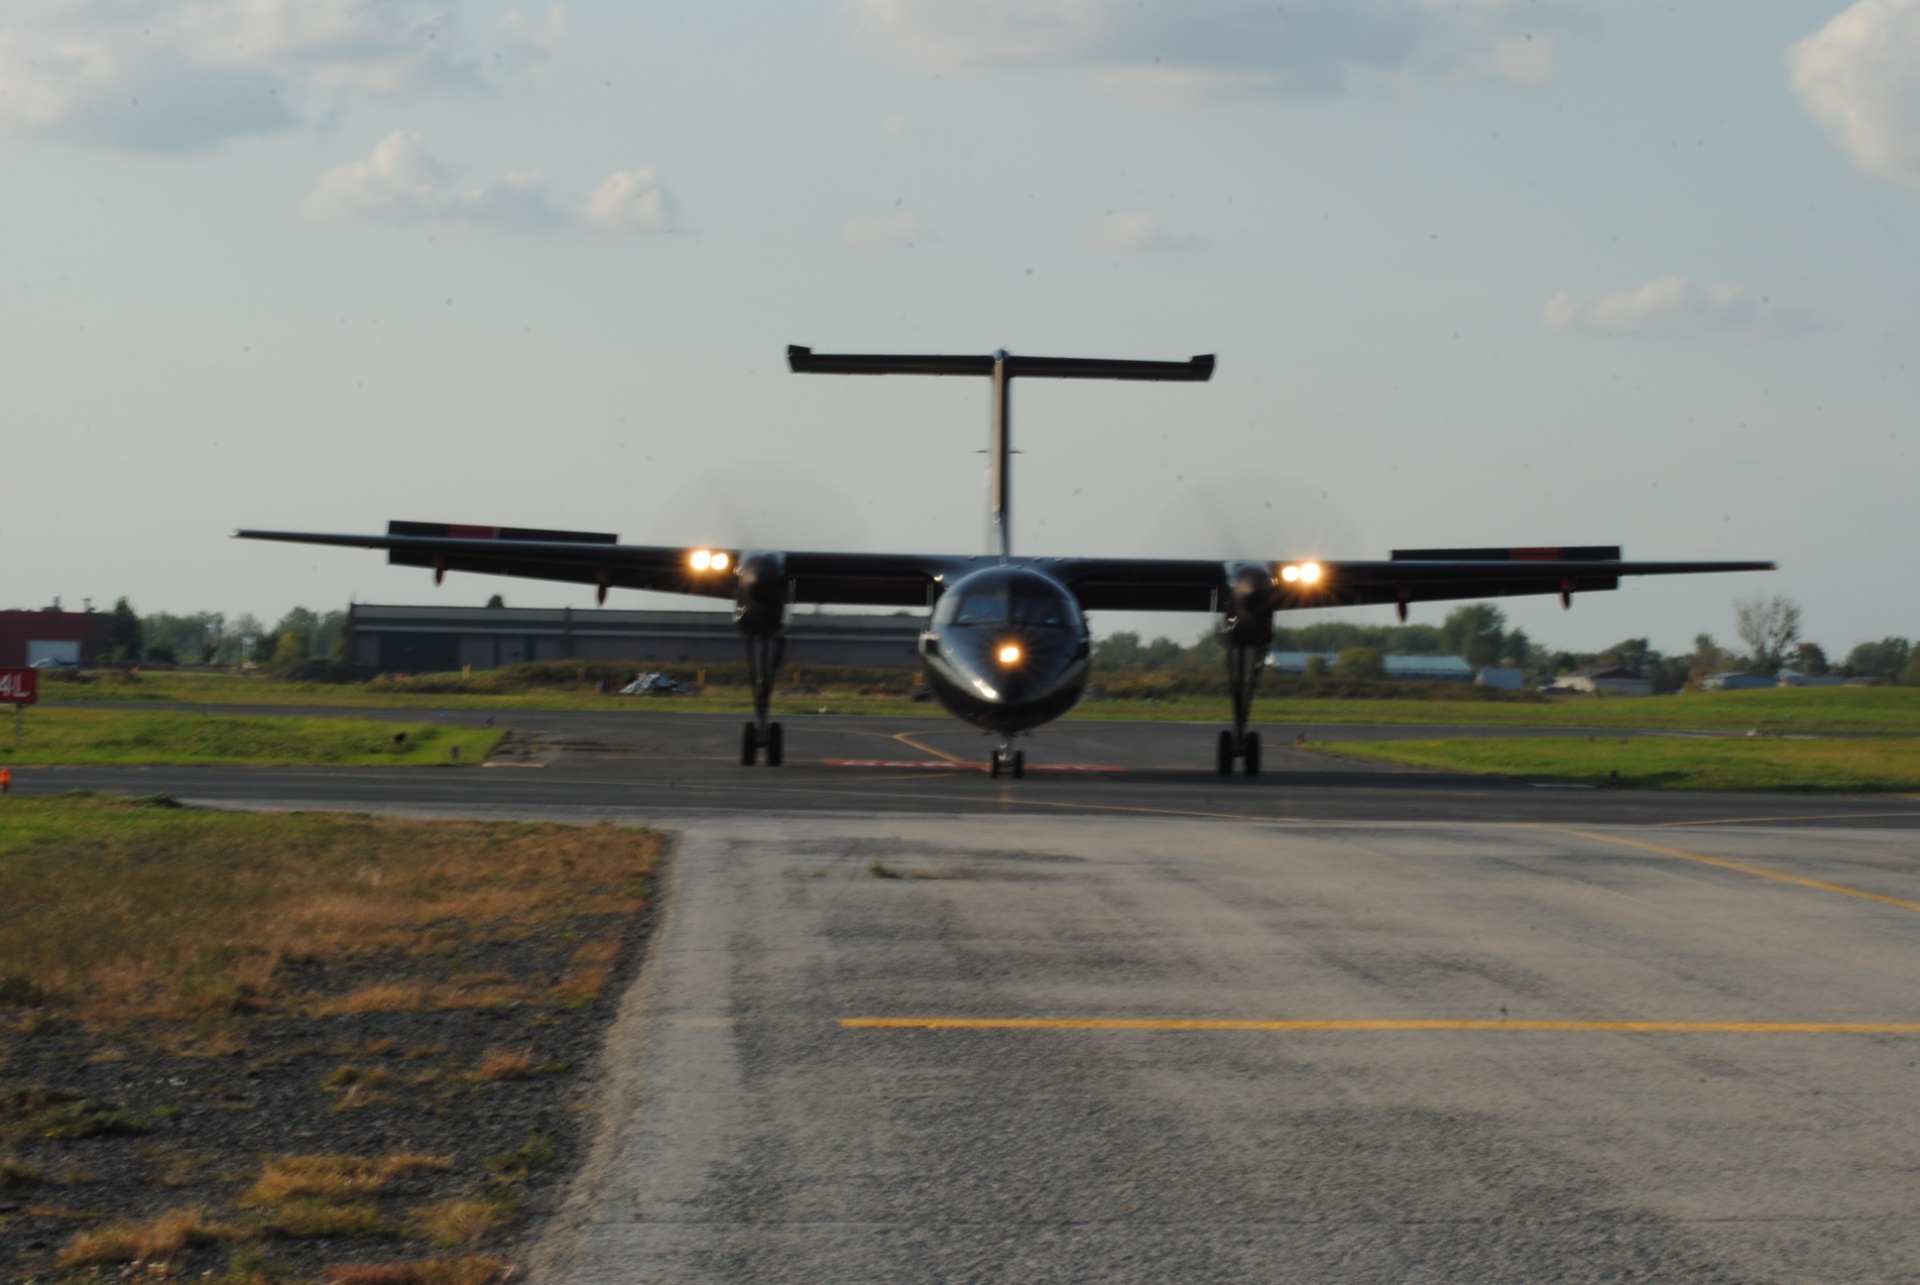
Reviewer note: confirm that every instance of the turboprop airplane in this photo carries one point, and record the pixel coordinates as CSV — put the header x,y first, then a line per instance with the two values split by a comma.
x,y
1006,646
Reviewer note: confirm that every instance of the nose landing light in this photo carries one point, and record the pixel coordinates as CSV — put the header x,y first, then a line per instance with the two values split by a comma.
x,y
1009,654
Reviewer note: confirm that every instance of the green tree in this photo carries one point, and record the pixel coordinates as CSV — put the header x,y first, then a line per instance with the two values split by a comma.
x,y
1911,675
291,647
1118,650
1316,666
1810,658
1476,633
1886,660
1360,662
302,624
125,637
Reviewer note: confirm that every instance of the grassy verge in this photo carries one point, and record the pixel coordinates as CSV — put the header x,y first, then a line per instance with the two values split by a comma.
x,y
56,736
216,1030
1887,764
1883,710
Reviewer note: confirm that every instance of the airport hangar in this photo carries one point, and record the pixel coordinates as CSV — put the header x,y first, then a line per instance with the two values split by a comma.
x,y
415,640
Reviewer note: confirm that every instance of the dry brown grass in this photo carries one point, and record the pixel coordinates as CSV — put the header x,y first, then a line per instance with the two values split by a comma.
x,y
142,1241
505,1064
448,1223
590,971
132,911
429,1271
334,1178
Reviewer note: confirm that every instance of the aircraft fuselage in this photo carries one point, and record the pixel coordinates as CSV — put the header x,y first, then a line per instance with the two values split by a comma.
x,y
1007,649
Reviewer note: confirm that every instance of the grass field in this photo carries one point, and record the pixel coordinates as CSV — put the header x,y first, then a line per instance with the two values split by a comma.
x,y
282,1048
1866,765
114,907
67,737
1883,710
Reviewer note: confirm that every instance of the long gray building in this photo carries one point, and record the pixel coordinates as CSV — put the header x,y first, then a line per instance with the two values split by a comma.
x,y
423,640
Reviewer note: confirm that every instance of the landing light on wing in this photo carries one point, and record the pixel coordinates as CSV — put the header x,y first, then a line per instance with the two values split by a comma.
x,y
701,559
1010,654
1304,573
719,562
708,560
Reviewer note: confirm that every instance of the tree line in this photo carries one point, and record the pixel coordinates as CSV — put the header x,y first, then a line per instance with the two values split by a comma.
x,y
213,638
1769,631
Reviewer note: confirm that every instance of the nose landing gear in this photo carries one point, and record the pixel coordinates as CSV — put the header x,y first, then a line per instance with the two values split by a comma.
x,y
1008,760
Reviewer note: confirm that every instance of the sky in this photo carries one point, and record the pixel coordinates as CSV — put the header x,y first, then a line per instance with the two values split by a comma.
x,y
1477,272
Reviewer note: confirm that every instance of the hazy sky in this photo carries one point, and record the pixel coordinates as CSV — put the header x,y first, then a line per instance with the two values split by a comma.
x,y
1477,272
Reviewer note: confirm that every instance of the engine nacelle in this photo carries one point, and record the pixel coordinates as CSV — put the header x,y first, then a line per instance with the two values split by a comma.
x,y
1248,621
760,607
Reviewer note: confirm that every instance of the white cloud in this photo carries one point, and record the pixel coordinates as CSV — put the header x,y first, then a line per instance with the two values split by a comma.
x,y
893,231
1123,232
629,201
402,182
1668,305
1185,50
1859,76
532,48
147,75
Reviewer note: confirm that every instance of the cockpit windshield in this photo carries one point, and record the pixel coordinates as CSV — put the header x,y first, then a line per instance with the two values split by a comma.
x,y
1030,608
983,607
1000,599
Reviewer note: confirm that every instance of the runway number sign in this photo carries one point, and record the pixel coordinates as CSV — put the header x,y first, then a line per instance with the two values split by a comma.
x,y
19,686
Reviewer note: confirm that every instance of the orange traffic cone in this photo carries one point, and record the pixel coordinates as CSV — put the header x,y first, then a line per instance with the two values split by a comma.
x,y
6,779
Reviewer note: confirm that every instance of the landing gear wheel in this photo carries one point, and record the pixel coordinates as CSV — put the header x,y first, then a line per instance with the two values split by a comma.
x,y
1250,754
1225,755
1019,764
774,745
993,765
749,745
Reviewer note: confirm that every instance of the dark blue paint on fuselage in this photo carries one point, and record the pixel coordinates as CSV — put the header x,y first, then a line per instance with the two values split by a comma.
x,y
987,611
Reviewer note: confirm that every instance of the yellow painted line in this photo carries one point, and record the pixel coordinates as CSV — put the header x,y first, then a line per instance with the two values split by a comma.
x,y
1742,867
1821,816
1369,1024
906,739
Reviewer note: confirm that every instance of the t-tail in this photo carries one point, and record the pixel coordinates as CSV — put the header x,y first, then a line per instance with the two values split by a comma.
x,y
1002,368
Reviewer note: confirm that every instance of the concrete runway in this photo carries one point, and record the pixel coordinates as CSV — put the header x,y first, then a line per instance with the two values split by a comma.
x,y
757,1131
1338,1023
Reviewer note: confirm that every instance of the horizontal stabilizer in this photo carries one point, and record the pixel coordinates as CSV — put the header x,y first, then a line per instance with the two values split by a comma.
x,y
454,531
1570,553
805,361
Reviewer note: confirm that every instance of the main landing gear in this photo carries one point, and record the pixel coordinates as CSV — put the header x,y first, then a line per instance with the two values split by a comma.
x,y
763,662
1007,760
1243,675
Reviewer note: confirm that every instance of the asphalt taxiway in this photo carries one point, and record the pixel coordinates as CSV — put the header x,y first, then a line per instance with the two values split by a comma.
x,y
1129,1021
658,764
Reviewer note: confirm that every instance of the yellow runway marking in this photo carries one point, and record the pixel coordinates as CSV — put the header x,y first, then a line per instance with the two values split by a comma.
x,y
1823,816
1741,867
907,739
1368,1024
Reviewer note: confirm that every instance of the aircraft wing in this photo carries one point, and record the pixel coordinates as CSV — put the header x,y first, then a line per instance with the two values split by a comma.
x,y
595,558
1410,575
1100,584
